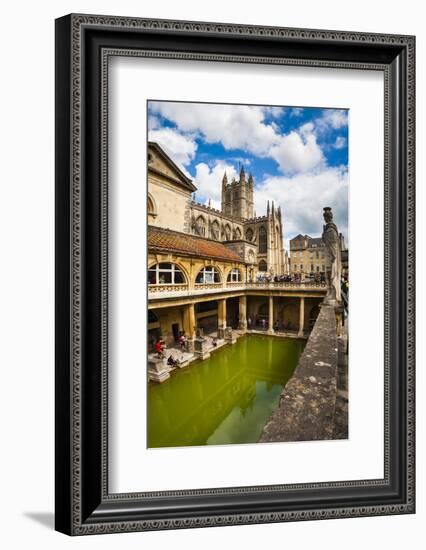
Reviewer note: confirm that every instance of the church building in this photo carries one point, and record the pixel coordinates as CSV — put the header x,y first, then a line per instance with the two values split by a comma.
x,y
256,240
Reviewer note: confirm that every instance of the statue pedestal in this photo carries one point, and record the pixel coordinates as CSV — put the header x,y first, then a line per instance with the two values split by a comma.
x,y
158,371
200,348
220,333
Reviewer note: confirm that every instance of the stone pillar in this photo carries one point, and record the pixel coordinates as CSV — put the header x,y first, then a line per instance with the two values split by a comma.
x,y
271,315
242,313
221,321
301,316
189,321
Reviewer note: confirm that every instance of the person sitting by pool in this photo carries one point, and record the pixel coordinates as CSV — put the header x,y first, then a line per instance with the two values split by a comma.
x,y
214,342
182,341
159,347
172,361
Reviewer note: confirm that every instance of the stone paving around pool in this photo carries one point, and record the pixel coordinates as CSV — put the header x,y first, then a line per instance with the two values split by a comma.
x,y
159,370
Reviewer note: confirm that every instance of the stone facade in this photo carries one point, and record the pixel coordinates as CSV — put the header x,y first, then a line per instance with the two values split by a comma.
x,y
258,240
308,402
308,255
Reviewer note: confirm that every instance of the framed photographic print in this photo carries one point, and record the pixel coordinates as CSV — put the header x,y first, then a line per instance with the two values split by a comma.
x,y
234,274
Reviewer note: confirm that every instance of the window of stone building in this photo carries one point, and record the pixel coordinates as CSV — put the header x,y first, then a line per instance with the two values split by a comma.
x,y
208,275
249,234
200,226
237,234
165,274
227,233
301,267
263,241
234,276
263,266
215,230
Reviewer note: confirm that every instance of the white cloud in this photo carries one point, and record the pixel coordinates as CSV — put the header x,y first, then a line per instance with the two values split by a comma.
x,y
298,151
302,198
340,142
273,111
181,148
153,122
332,118
209,181
235,126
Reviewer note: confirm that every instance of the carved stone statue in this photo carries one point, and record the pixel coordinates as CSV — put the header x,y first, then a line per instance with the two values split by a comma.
x,y
330,237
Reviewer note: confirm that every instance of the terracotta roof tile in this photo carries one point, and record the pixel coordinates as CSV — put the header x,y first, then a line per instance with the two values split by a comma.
x,y
166,240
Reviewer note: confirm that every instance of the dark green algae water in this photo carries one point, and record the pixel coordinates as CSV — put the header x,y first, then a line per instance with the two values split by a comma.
x,y
225,399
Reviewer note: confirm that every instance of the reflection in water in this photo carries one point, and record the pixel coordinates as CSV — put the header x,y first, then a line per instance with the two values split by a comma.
x,y
225,399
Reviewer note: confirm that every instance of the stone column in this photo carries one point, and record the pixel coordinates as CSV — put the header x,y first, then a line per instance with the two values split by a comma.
x,y
189,321
221,321
301,316
271,315
242,313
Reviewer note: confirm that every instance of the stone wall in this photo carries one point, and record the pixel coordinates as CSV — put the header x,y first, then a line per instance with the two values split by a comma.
x,y
306,411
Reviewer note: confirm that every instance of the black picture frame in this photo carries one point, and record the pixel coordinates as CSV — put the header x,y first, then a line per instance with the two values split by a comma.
x,y
83,504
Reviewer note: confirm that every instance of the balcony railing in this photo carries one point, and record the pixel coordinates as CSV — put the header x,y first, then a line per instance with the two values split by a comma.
x,y
287,284
167,288
183,290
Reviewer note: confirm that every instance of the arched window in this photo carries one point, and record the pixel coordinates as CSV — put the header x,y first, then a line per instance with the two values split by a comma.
x,y
207,275
215,230
263,241
151,208
249,234
200,226
237,234
227,232
263,266
165,274
234,276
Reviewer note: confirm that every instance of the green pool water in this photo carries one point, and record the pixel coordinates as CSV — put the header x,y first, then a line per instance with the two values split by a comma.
x,y
225,399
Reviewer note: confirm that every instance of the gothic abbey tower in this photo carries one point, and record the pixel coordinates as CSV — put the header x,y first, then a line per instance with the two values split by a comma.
x,y
237,196
258,240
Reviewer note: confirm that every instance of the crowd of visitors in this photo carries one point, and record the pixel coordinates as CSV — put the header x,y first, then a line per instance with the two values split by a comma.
x,y
294,278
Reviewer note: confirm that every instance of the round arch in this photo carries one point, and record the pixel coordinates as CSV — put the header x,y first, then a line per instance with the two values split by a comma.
x,y
234,275
167,273
151,207
209,274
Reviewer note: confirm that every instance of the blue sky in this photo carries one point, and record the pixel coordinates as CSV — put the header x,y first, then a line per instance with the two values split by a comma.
x,y
298,155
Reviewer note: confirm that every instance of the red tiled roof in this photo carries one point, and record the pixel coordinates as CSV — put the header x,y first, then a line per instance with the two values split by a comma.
x,y
166,240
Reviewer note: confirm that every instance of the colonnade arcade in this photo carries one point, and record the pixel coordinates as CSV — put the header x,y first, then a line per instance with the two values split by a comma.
x,y
247,312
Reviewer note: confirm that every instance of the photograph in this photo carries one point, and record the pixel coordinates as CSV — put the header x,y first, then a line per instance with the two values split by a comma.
x,y
247,273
